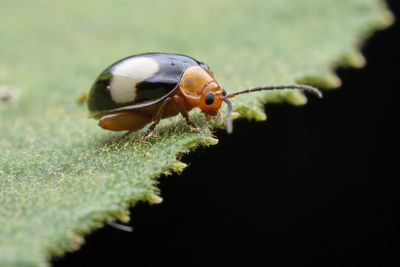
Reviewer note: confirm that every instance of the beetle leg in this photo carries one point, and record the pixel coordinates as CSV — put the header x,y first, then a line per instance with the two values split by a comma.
x,y
185,114
220,120
149,131
156,119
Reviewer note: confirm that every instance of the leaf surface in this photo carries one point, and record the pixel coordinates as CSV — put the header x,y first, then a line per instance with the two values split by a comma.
x,y
61,175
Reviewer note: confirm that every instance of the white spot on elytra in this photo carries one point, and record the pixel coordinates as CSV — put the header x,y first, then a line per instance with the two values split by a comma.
x,y
127,74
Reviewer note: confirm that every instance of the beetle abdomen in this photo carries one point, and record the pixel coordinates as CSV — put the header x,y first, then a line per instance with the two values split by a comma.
x,y
138,80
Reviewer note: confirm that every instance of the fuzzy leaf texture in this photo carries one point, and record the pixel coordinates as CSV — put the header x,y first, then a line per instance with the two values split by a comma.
x,y
62,176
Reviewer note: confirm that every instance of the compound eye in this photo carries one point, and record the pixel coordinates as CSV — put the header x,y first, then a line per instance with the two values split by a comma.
x,y
209,98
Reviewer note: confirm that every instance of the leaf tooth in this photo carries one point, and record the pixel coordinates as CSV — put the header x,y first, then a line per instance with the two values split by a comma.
x,y
354,59
209,141
329,80
386,19
124,216
177,166
154,199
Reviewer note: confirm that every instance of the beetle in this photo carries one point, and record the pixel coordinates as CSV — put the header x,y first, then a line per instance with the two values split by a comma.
x,y
145,88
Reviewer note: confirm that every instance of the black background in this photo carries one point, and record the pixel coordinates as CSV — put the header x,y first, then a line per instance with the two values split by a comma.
x,y
313,185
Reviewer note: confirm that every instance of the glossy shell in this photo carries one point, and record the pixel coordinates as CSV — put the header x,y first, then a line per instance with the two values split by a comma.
x,y
138,81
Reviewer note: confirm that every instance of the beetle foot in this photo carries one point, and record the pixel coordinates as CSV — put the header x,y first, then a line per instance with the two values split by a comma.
x,y
149,132
146,135
193,127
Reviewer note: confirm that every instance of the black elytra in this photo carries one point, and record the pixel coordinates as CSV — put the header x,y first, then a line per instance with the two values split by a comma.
x,y
158,86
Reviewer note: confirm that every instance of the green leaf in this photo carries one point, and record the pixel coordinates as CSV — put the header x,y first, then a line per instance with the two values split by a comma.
x,y
61,176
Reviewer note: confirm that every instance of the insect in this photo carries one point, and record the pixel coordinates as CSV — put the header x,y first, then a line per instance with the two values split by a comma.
x,y
146,88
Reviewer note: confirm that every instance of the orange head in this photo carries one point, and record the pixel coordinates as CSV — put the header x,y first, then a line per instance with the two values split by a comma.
x,y
202,90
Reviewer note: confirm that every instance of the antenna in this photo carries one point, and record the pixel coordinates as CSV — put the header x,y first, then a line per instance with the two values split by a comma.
x,y
307,88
